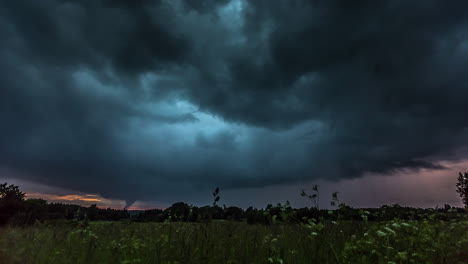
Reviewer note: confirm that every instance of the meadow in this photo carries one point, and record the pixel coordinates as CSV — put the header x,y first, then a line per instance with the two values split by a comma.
x,y
35,231
126,242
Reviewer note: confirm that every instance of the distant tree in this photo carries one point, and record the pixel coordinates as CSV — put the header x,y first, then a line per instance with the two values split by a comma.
x,y
34,210
150,215
233,213
11,192
194,214
462,187
217,212
179,212
93,212
11,201
205,213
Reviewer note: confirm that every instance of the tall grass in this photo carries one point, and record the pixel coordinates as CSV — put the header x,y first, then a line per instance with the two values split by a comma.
x,y
237,242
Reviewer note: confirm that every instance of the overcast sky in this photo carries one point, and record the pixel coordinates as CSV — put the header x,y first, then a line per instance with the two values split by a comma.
x,y
158,101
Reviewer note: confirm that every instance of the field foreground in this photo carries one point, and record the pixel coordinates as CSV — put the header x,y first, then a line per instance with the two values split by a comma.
x,y
237,242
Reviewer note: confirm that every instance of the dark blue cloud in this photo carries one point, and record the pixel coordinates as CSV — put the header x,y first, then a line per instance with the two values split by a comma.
x,y
152,99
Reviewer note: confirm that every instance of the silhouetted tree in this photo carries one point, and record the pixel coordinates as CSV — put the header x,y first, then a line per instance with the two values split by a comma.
x,y
10,192
233,213
194,214
462,187
35,209
217,212
151,215
205,213
179,211
93,212
11,202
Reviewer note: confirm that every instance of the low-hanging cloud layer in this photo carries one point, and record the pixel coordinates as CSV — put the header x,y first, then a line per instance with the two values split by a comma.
x,y
145,100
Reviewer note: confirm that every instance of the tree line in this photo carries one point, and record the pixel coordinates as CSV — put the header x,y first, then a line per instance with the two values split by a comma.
x,y
16,210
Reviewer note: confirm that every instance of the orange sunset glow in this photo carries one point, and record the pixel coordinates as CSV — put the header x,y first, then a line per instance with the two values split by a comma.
x,y
79,199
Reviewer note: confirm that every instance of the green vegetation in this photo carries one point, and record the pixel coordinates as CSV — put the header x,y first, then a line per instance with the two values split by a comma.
x,y
462,187
34,231
237,242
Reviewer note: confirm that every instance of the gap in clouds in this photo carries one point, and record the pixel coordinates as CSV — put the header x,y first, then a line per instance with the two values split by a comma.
x,y
425,189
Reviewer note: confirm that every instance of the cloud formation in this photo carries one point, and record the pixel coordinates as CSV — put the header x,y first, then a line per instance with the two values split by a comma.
x,y
145,100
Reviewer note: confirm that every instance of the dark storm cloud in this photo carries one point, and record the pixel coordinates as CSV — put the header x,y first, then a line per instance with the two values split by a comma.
x,y
204,6
128,36
141,99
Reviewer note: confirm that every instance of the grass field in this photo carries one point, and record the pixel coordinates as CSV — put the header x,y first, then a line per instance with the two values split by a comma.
x,y
237,242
